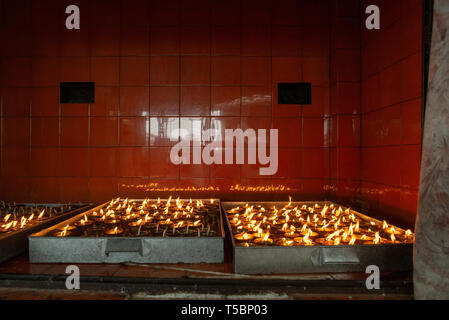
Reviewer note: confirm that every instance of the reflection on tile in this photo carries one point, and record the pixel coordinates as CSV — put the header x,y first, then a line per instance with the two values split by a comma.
x,y
164,131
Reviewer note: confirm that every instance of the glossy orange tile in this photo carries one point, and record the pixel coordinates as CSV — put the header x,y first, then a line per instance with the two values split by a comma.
x,y
317,39
16,102
165,40
195,40
193,128
45,72
104,162
256,40
349,131
104,71
411,80
411,31
371,129
17,45
16,132
390,158
134,188
284,110
74,132
225,171
411,112
320,103
286,13
15,189
286,69
256,71
348,65
256,12
348,98
226,70
134,132
134,162
290,163
313,130
286,41
195,70
195,12
103,131
75,43
165,13
45,132
16,72
74,190
163,131
188,171
348,163
226,40
74,162
134,101
105,40
315,163
106,102
44,190
134,71
195,101
102,189
74,69
256,101
225,13
225,101
160,165
164,101
164,70
74,110
45,41
390,86
15,161
391,119
45,102
44,162
135,41
410,164
289,131
135,13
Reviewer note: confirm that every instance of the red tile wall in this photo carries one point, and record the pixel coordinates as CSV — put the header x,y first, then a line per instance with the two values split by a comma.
x,y
344,178
160,65
391,110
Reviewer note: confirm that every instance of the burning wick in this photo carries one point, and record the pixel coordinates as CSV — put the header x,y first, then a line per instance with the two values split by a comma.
x,y
115,231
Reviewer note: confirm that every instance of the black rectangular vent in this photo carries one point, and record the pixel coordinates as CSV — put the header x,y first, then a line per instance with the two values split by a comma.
x,y
295,93
77,92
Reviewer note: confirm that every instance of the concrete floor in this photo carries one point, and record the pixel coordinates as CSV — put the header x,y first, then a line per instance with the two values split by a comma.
x,y
20,279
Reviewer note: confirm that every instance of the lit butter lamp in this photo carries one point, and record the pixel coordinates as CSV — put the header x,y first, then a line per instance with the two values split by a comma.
x,y
114,231
65,231
83,223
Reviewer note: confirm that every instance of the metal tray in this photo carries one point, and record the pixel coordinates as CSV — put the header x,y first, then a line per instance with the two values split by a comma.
x,y
13,244
317,259
48,249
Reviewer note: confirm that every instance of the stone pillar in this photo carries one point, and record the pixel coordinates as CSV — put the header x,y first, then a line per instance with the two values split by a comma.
x,y
431,252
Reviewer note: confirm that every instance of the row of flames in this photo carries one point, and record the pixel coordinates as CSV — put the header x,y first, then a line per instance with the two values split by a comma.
x,y
296,225
12,223
172,214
